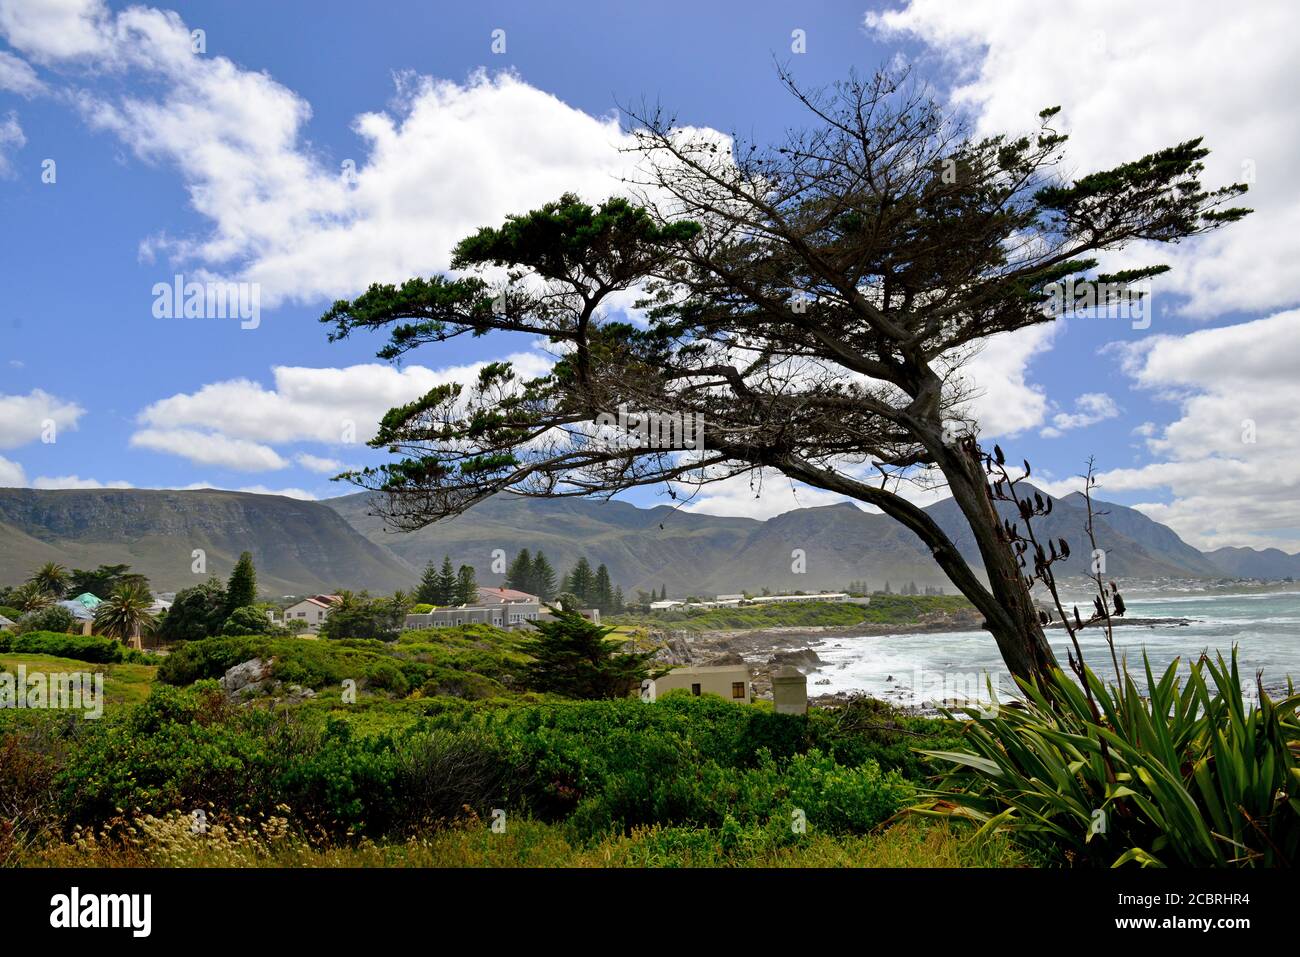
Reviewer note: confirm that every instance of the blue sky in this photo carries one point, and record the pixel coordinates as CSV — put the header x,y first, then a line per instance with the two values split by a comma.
x,y
228,164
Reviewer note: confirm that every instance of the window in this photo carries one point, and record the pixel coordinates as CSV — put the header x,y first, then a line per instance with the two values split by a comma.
x,y
695,689
738,689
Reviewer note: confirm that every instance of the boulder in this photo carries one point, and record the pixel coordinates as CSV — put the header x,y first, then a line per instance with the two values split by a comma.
x,y
247,678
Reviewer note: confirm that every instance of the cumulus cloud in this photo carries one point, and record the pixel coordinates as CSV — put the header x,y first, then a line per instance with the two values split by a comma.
x,y
11,474
445,159
210,448
1089,409
1130,80
236,422
1004,402
1229,463
315,463
27,418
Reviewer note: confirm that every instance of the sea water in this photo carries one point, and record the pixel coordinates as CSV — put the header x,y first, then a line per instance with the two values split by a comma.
x,y
915,669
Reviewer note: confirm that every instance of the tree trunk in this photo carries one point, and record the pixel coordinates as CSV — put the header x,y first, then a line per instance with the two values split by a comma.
x,y
1018,631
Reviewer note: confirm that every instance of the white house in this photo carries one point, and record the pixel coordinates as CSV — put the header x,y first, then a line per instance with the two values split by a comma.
x,y
313,611
729,681
666,604
837,596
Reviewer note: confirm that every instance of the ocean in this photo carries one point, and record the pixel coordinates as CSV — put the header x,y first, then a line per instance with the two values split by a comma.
x,y
917,669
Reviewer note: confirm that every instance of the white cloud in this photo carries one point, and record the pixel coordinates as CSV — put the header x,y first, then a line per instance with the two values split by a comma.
x,y
75,482
446,159
1134,78
17,76
210,448
11,474
1231,459
762,496
26,418
315,463
330,405
11,139
56,29
1005,402
1089,409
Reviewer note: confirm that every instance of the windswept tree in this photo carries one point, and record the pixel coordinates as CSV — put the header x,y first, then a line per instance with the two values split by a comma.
x,y
813,304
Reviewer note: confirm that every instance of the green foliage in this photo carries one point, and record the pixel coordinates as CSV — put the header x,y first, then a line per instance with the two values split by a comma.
x,y
50,618
575,657
8,611
126,612
248,620
104,580
196,613
359,615
241,589
51,578
884,609
466,586
93,648
1191,774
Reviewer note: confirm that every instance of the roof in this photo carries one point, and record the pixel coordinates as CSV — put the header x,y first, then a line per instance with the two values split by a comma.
x,y
4,622
505,594
87,600
79,611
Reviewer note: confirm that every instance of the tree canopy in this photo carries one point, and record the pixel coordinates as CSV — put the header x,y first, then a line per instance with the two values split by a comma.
x,y
812,303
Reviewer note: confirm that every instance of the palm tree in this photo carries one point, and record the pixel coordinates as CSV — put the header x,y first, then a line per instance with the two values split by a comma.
x,y
30,597
52,578
126,614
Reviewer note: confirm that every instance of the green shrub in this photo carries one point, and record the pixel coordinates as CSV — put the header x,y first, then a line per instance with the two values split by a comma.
x,y
51,618
247,620
92,648
1189,774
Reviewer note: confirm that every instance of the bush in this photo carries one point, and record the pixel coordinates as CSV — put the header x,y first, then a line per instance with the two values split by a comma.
x,y
247,620
1183,775
93,648
52,618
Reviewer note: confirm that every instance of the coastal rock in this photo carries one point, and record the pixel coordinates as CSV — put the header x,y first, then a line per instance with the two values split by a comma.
x,y
805,659
247,678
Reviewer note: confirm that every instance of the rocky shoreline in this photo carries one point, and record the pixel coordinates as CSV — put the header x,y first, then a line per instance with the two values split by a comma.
x,y
765,649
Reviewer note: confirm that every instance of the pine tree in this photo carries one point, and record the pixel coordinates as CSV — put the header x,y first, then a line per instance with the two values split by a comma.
x,y
543,583
574,657
663,592
241,589
427,591
519,575
467,586
446,583
602,590
582,582
620,605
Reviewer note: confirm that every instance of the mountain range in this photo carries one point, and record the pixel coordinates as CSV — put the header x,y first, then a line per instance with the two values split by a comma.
x,y
305,547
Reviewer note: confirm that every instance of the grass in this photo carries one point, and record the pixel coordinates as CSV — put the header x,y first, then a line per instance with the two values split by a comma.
x,y
172,842
123,684
883,610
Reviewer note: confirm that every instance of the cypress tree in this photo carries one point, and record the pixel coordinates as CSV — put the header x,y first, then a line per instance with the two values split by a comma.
x,y
543,578
241,589
466,586
427,591
582,582
446,583
519,575
603,590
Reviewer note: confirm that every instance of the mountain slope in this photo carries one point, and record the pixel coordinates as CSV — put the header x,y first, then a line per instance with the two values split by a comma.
x,y
297,546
